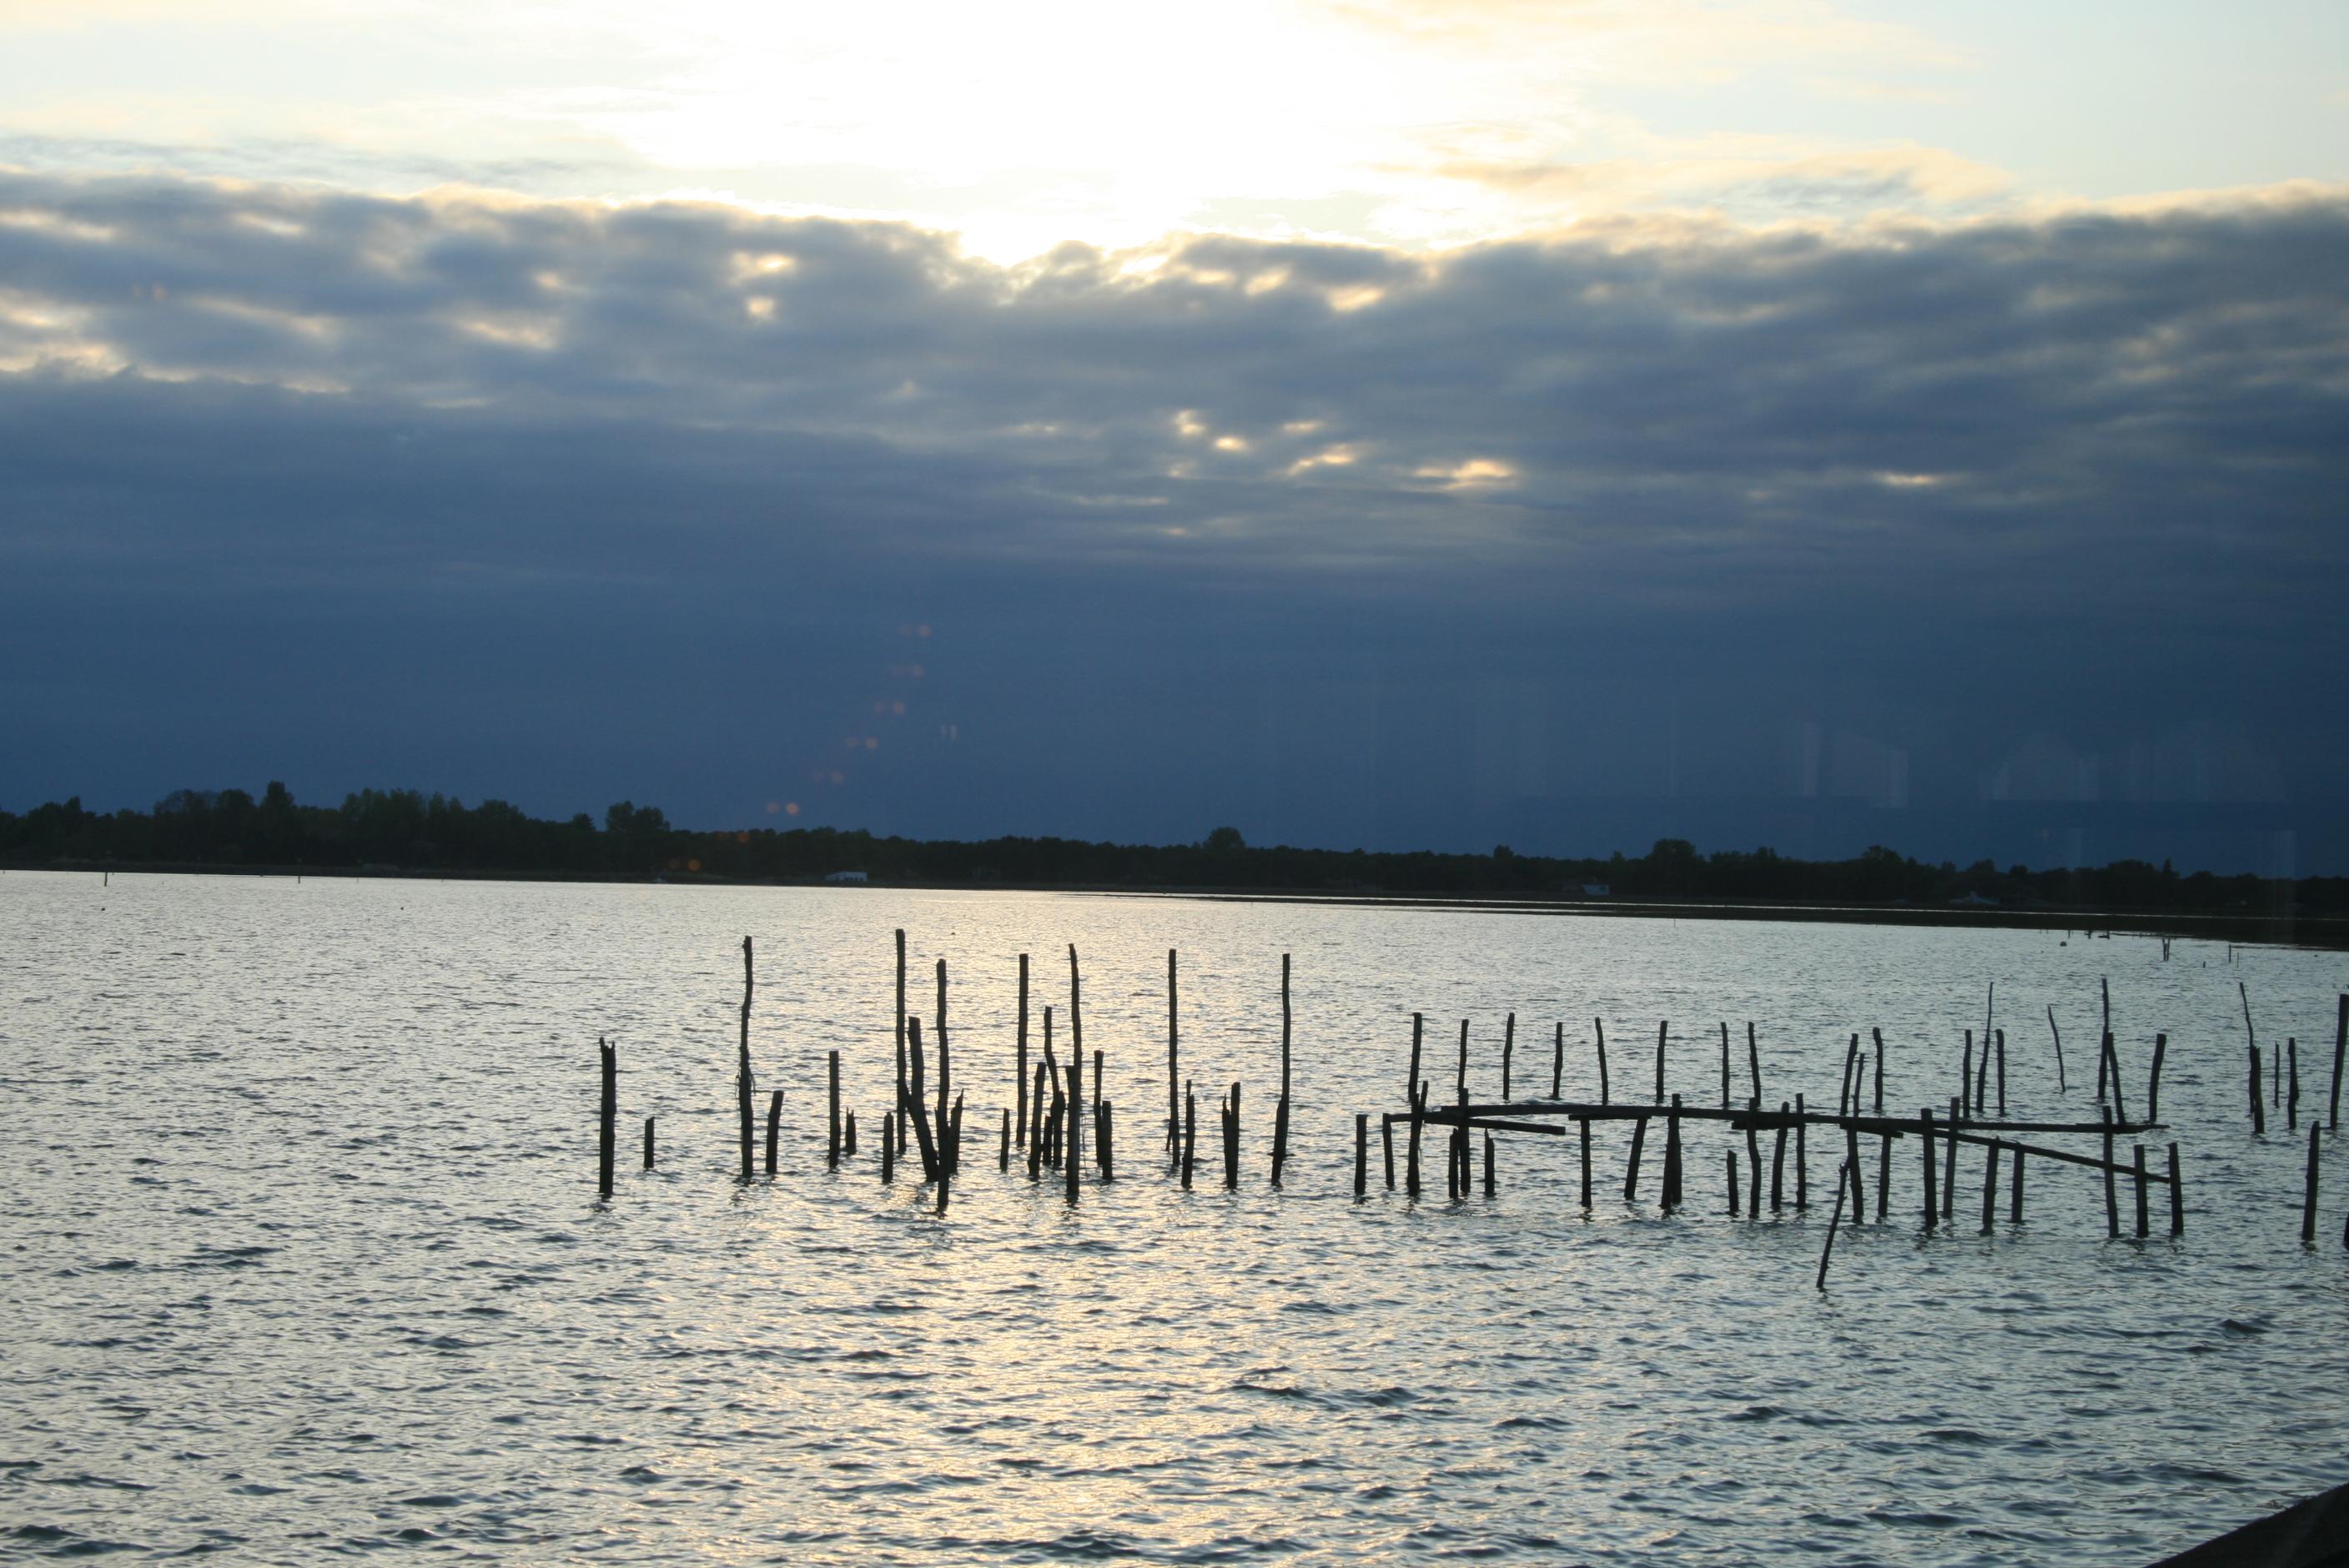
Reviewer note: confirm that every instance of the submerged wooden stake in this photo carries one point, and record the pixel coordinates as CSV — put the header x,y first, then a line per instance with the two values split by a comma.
x,y
1280,1115
2259,1112
1386,1141
1190,1133
2112,1195
1662,1026
2061,1086
2308,1202
1489,1165
648,1143
1508,1052
1724,1064
1878,1035
2153,1079
1753,1156
2014,1198
2292,1082
1003,1151
1585,1124
1858,1178
1232,1141
1174,1077
774,1128
1104,1124
831,1149
1019,1113
1631,1172
1362,1155
889,1151
897,1110
1600,1024
1558,1063
2340,1050
2176,1197
1418,1119
1833,1223
1672,1167
608,1115
1802,1159
1925,1139
1732,1153
1072,1153
848,1136
914,1112
1949,1163
2002,1074
1779,1162
1753,1058
2138,1155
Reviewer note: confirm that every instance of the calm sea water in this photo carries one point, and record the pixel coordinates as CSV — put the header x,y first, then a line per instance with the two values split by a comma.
x,y
301,1254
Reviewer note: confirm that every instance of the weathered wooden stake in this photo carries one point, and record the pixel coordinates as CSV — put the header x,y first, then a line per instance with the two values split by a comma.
x,y
1733,1182
1558,1063
648,1143
2137,1155
608,1115
1966,1077
1662,1026
916,1112
1778,1163
2292,1082
2061,1086
1990,1188
1673,1192
742,1063
2340,1050
898,1106
1232,1141
1489,1165
1173,1077
848,1136
1418,1119
1600,1024
1190,1132
1036,1131
1724,1064
1753,1156
1362,1155
1584,1122
2014,1198
1631,1172
1925,1138
1104,1124
2259,1112
2308,1203
1753,1059
1003,1152
2178,1198
2153,1079
889,1150
1878,1035
1883,1178
1019,1066
1411,1084
1802,1158
1072,1155
1280,1113
2001,1075
1833,1223
1279,1138
2120,1110
1386,1142
2112,1194
832,1148
1508,1052
1858,1174
1847,1096
950,1157
774,1128
1949,1164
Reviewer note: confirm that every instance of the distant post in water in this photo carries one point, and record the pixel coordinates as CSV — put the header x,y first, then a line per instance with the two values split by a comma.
x,y
1072,1153
1019,1069
1362,1154
2308,1202
774,1127
832,1151
648,1143
1280,1113
1662,1026
742,1063
1174,1100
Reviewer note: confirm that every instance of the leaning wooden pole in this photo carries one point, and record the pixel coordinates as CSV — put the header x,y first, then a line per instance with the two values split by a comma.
x,y
2340,1050
1834,1222
2061,1086
912,1105
742,1089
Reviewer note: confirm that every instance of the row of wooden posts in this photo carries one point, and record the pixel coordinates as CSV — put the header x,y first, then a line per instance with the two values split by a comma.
x,y
1048,1120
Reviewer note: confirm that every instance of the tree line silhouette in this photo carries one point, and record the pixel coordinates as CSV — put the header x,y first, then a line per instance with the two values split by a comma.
x,y
408,830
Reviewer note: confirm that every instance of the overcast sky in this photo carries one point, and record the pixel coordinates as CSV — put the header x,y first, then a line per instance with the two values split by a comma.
x,y
1360,424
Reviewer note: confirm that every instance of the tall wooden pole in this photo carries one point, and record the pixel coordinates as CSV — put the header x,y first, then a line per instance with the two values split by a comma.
x,y
1173,1077
742,1089
1021,1115
608,1115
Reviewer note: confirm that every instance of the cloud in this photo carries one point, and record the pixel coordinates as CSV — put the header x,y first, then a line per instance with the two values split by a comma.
x,y
598,474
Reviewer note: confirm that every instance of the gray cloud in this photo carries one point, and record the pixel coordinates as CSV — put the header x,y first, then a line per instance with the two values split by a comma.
x,y
1658,522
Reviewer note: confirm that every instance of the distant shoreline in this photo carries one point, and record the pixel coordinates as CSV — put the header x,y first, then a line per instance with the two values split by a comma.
x,y
2330,933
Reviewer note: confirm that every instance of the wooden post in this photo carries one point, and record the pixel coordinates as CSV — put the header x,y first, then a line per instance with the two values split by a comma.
x,y
1949,1164
2101,1055
2308,1202
1584,1123
1489,1165
897,1109
1662,1025
1190,1132
608,1115
2178,1198
1600,1024
648,1143
2292,1082
1836,1221
1459,1182
1672,1155
1097,1075
949,1156
1362,1155
889,1151
742,1065
1631,1172
1753,1059
848,1136
2112,1194
2259,1112
1418,1117
1779,1162
2061,1086
2340,1050
1508,1054
1072,1153
1558,1063
832,1148
1104,1125
2137,1155
2014,1198
1989,1186
1925,1139
1724,1065
1280,1113
2153,1079
1966,1077
915,1112
1878,1035
1232,1141
1857,1174
2120,1109
1802,1158
1173,1077
1003,1151
2002,1074
1753,1156
1076,1053
1036,1131
774,1127
1386,1141
1845,1097
1019,1066
1883,1177
1733,1182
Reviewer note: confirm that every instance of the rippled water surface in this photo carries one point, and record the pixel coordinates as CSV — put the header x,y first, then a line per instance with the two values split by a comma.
x,y
302,1253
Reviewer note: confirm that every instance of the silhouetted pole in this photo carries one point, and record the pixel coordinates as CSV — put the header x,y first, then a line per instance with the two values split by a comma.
x,y
1834,1221
2308,1203
1019,1070
1600,1025
1724,1070
1362,1154
608,1115
2153,1079
774,1127
2340,1050
2259,1112
648,1143
2061,1086
832,1150
916,1113
1754,1060
1072,1152
1662,1026
1190,1136
1558,1063
2112,1194
903,1086
946,1154
1173,1099
1925,1140
1508,1052
1280,1115
742,1063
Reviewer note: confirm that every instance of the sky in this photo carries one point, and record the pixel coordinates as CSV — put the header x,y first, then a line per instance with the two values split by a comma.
x,y
1367,422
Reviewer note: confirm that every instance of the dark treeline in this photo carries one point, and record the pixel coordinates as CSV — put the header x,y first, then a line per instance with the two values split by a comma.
x,y
405,830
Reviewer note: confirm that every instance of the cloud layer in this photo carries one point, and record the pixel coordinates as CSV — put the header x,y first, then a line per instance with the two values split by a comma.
x,y
1352,543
